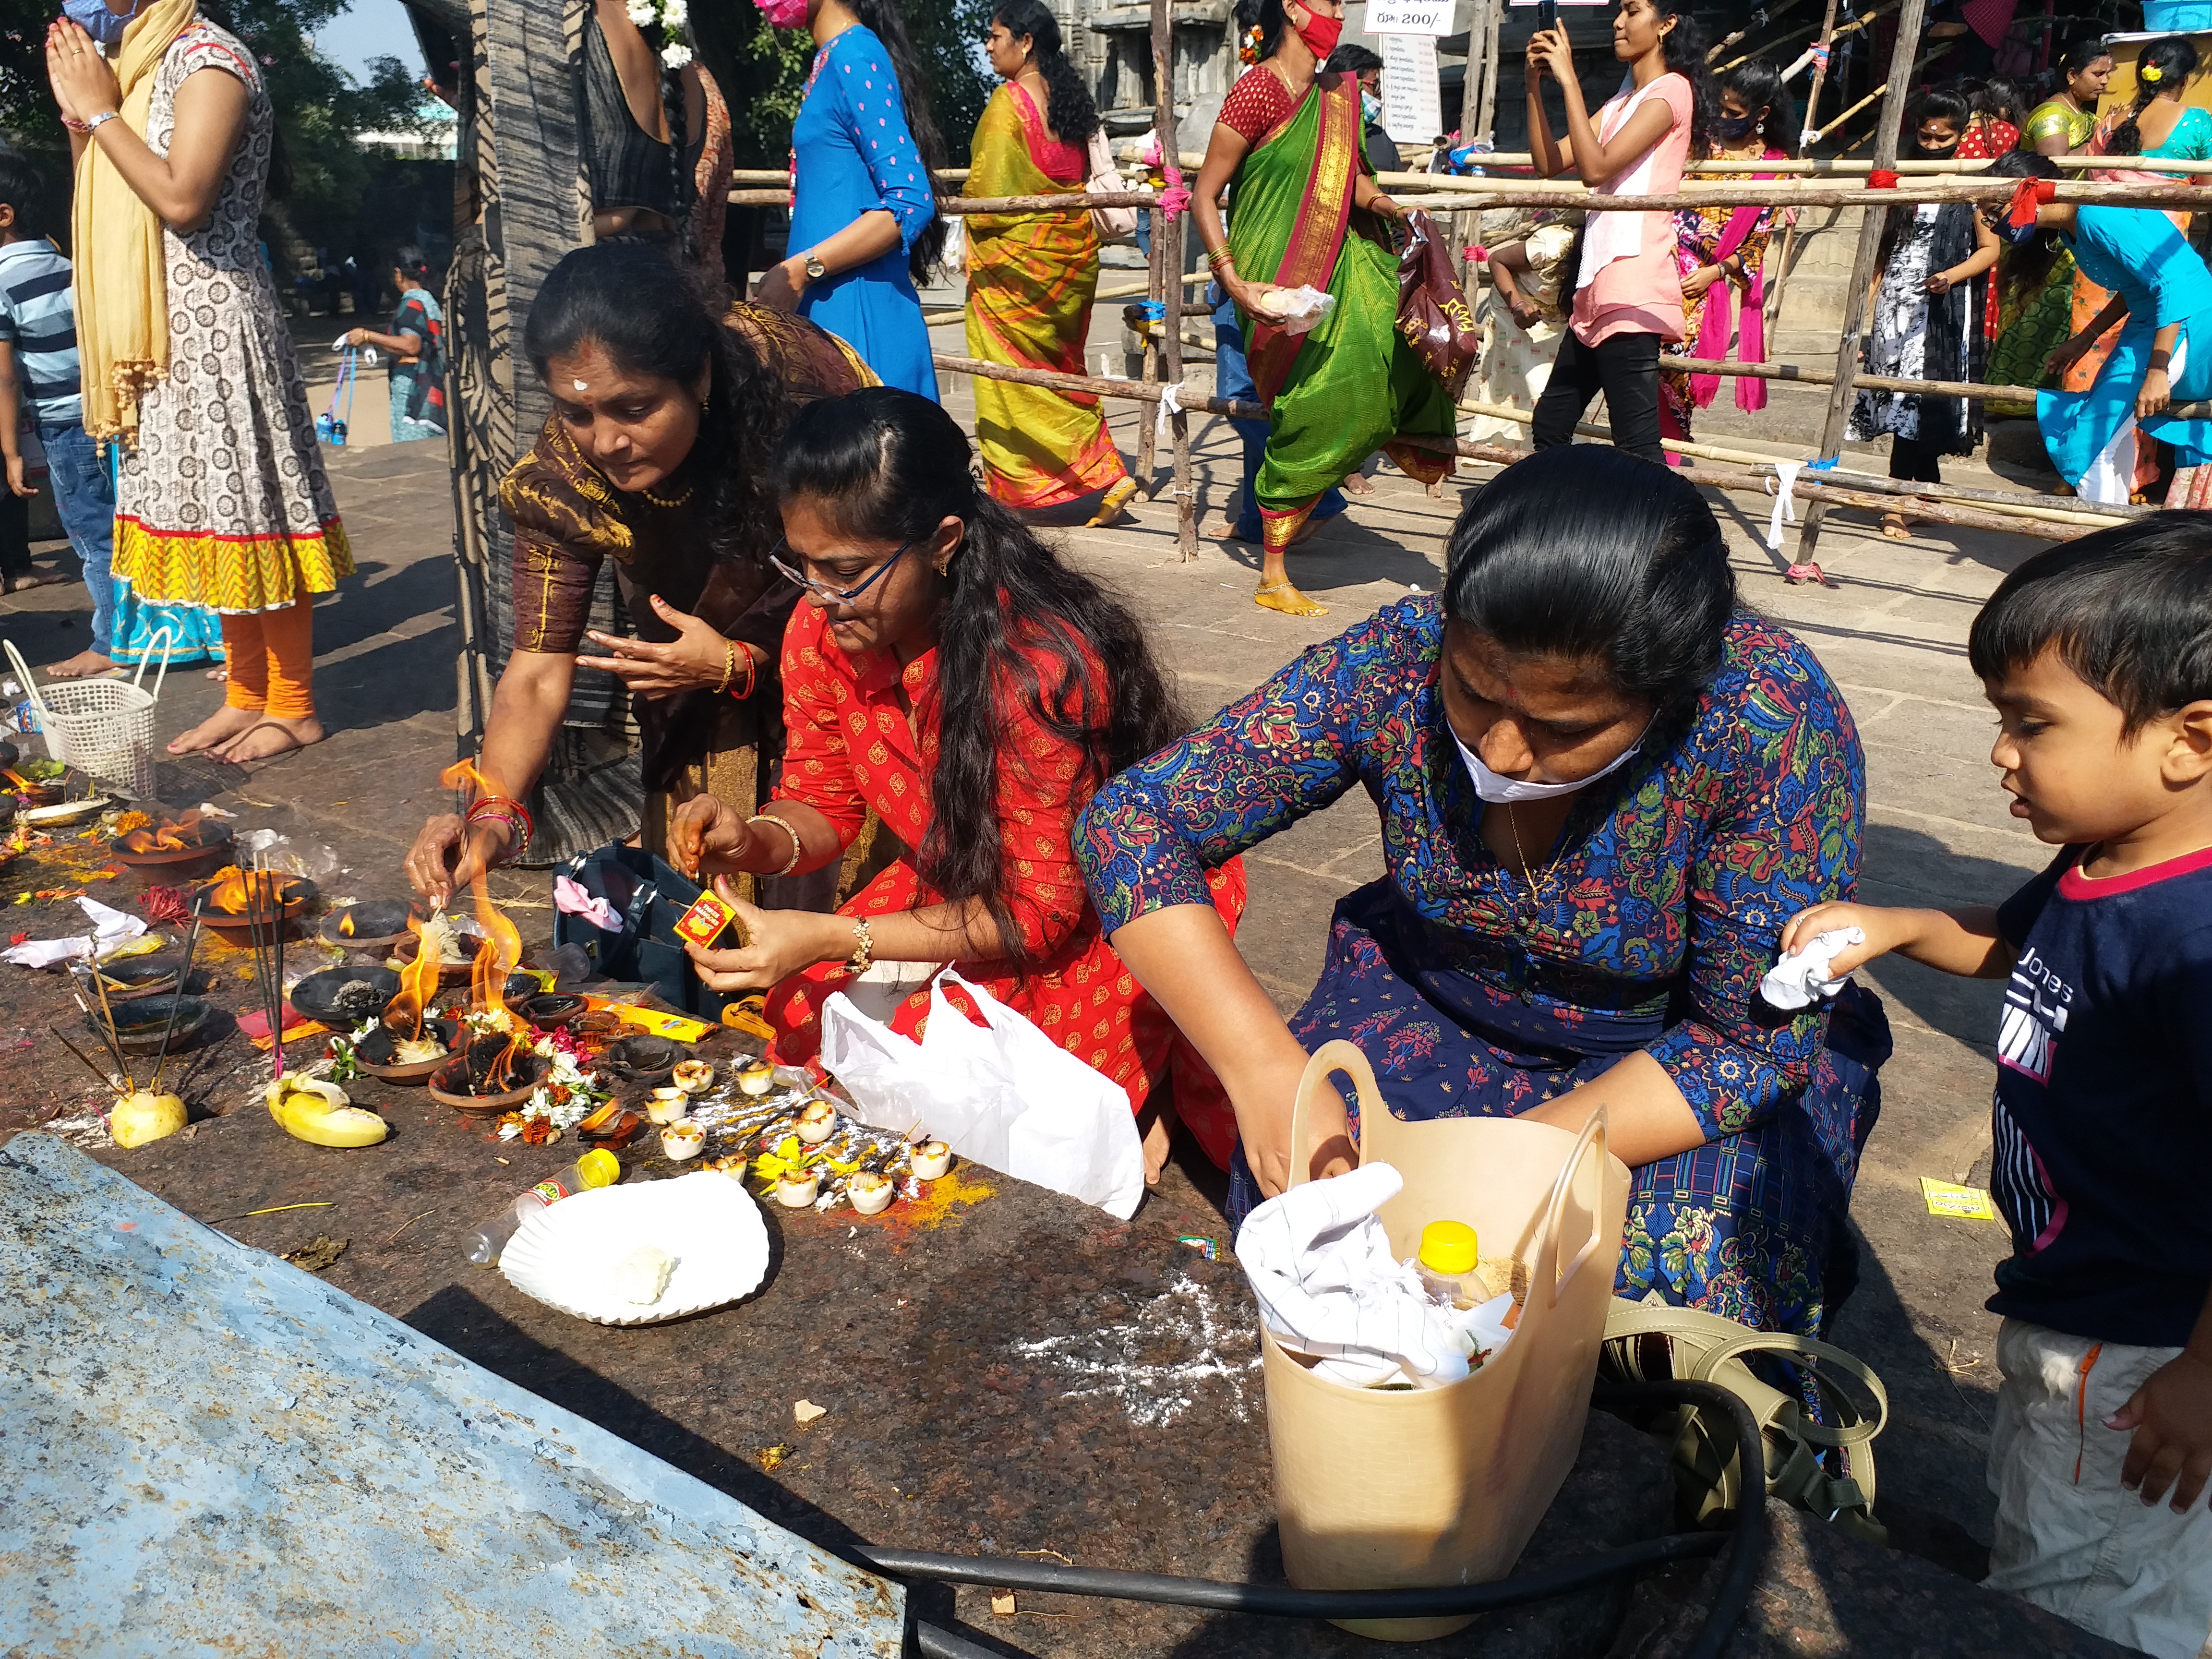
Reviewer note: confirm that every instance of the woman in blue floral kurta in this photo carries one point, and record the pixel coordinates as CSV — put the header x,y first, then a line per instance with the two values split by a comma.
x,y
1475,989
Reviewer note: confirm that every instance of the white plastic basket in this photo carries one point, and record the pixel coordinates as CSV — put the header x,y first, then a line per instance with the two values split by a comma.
x,y
103,727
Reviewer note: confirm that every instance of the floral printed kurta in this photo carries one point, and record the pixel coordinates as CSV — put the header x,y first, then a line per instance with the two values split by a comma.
x,y
852,745
1471,996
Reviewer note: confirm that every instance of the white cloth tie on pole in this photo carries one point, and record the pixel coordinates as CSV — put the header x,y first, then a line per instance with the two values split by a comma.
x,y
1170,404
1785,504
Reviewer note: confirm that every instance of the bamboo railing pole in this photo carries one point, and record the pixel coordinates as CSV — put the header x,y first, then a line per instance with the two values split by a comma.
x,y
1837,417
1448,195
1827,44
1486,117
1167,237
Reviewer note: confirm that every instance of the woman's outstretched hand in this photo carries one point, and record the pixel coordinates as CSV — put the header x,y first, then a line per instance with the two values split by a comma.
x,y
696,659
784,942
84,86
702,829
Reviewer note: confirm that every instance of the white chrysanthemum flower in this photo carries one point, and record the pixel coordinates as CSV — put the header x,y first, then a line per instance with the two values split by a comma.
x,y
674,14
643,13
675,55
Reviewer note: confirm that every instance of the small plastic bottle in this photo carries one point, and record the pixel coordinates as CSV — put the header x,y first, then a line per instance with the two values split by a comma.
x,y
597,1168
1446,1262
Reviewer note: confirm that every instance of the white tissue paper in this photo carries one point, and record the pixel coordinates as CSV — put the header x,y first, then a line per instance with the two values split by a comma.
x,y
109,929
1802,976
1329,1287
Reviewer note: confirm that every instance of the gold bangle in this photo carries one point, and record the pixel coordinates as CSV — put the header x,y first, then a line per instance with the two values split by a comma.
x,y
797,847
864,951
729,666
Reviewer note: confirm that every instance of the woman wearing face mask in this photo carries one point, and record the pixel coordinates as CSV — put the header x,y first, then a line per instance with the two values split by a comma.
x,y
1628,291
1601,784
948,670
2160,316
663,421
221,503
1031,275
1926,307
865,151
2036,285
1308,212
1721,252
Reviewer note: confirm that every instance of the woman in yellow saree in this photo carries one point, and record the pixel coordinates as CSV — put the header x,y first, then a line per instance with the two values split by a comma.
x,y
1031,275
1306,211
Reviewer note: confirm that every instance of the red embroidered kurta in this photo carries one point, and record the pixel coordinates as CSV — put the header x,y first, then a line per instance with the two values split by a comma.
x,y
850,745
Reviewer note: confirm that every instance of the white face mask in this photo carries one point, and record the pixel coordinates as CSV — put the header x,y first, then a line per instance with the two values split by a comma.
x,y
1499,790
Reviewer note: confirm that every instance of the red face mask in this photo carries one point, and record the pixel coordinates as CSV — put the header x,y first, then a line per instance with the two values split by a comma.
x,y
1320,33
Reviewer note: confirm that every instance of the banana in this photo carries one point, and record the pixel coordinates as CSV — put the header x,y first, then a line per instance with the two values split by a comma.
x,y
313,1110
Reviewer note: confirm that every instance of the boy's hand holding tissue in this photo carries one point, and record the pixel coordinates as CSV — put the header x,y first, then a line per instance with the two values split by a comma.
x,y
1815,961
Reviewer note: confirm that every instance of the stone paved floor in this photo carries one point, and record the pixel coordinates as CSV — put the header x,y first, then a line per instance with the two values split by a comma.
x,y
1892,636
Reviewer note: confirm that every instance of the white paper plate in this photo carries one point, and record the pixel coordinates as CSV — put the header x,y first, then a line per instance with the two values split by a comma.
x,y
708,1222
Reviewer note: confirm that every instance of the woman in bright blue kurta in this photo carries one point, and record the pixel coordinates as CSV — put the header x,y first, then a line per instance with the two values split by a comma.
x,y
2163,356
1642,931
854,152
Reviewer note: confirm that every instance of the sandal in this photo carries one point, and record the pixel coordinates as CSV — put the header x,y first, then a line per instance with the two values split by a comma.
x,y
1111,505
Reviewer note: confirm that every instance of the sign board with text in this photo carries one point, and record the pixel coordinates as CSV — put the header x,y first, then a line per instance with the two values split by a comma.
x,y
1431,17
1412,102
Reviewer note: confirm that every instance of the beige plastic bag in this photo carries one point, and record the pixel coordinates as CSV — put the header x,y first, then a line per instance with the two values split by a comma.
x,y
1386,1489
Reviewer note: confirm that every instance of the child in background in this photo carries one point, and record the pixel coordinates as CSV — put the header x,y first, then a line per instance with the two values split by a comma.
x,y
38,378
2098,656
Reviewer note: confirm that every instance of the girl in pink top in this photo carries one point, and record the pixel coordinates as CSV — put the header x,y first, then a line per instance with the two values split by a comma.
x,y
1628,293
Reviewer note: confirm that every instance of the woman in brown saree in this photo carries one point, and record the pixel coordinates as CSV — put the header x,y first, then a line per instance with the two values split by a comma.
x,y
662,424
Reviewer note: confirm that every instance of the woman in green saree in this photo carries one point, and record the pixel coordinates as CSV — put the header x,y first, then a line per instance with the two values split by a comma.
x,y
1031,277
1306,211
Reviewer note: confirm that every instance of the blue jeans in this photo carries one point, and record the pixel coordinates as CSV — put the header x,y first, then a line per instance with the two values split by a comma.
x,y
1232,379
84,495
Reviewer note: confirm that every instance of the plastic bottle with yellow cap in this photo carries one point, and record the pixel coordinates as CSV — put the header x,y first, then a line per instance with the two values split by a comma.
x,y
1446,1263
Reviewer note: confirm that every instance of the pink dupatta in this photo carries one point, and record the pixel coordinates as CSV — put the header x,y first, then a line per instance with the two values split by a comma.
x,y
1717,321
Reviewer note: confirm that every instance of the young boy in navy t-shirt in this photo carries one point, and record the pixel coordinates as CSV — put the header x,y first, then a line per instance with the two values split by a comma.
x,y
2098,656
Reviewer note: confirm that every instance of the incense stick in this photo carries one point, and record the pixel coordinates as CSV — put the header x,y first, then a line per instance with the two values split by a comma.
x,y
176,1004
106,1037
107,1082
100,984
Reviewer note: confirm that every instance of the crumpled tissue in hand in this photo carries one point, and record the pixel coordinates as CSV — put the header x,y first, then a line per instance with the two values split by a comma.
x,y
1329,1287
1794,981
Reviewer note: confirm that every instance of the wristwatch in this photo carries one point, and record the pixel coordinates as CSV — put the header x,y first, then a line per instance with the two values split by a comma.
x,y
815,270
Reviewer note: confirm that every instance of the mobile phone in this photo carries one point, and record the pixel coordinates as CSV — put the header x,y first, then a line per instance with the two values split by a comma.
x,y
1547,14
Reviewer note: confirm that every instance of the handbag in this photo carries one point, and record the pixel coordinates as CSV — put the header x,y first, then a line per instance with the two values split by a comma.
x,y
329,425
1111,223
646,896
1645,1344
1433,315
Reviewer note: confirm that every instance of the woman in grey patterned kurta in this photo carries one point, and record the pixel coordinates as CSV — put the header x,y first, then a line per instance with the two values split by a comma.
x,y
224,503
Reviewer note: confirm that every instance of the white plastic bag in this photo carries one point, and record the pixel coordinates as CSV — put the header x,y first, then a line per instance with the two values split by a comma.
x,y
1005,1096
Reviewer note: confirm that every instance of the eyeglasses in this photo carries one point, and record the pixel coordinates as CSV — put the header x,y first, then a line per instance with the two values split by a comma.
x,y
837,595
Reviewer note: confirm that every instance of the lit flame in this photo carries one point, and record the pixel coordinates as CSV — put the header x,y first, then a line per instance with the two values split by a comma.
x,y
345,925
496,956
418,985
232,886
171,835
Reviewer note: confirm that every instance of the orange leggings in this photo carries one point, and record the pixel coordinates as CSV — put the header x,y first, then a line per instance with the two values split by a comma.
x,y
272,662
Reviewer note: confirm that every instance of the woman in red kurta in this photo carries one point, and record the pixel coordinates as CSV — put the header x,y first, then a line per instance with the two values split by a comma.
x,y
950,672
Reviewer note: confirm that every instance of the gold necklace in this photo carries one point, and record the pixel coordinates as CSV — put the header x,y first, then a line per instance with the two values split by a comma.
x,y
679,501
1536,884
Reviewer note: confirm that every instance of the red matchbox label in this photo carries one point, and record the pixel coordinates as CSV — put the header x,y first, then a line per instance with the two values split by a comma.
x,y
702,924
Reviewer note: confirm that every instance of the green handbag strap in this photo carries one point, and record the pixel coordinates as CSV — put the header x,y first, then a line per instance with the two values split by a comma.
x,y
1705,1347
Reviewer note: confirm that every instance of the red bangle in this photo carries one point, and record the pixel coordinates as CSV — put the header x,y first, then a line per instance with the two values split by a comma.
x,y
752,674
515,815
